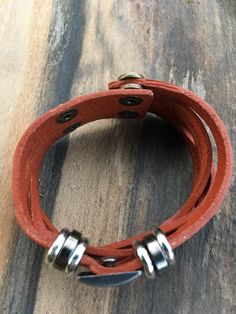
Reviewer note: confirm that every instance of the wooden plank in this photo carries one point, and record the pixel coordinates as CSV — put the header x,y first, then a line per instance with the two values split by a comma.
x,y
138,173
22,60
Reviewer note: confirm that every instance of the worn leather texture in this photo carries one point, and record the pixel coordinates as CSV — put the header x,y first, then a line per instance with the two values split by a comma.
x,y
186,111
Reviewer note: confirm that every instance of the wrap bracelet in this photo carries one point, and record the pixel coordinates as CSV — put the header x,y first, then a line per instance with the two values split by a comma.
x,y
130,97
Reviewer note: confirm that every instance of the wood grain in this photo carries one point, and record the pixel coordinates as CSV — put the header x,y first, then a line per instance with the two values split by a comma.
x,y
138,173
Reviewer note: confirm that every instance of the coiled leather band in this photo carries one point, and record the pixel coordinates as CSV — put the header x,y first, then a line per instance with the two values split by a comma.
x,y
186,111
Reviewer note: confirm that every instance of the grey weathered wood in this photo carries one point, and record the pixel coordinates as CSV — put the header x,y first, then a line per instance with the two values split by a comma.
x,y
138,173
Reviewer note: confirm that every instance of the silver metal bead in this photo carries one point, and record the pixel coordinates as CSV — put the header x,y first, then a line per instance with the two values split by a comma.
x,y
155,253
143,255
165,245
56,247
67,250
76,256
130,75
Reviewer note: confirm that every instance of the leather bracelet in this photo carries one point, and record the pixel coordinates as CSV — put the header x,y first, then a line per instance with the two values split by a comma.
x,y
132,96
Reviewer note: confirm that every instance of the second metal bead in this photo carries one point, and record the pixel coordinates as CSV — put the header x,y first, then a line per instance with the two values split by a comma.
x,y
155,253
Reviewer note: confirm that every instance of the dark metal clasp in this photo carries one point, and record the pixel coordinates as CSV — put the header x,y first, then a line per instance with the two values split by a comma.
x,y
108,280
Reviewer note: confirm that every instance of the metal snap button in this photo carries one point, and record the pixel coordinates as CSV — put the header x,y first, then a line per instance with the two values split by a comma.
x,y
67,115
130,100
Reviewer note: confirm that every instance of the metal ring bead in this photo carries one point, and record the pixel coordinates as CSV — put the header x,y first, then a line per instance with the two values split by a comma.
x,y
156,253
68,248
165,246
143,255
76,256
56,247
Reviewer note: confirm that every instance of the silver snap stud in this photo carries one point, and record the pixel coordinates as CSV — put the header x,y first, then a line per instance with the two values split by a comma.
x,y
130,75
67,115
108,261
131,86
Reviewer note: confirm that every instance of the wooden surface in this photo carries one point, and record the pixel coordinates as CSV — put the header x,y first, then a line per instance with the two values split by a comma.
x,y
138,173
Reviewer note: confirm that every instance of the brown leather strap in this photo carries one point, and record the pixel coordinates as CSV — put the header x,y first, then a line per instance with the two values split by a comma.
x,y
183,109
